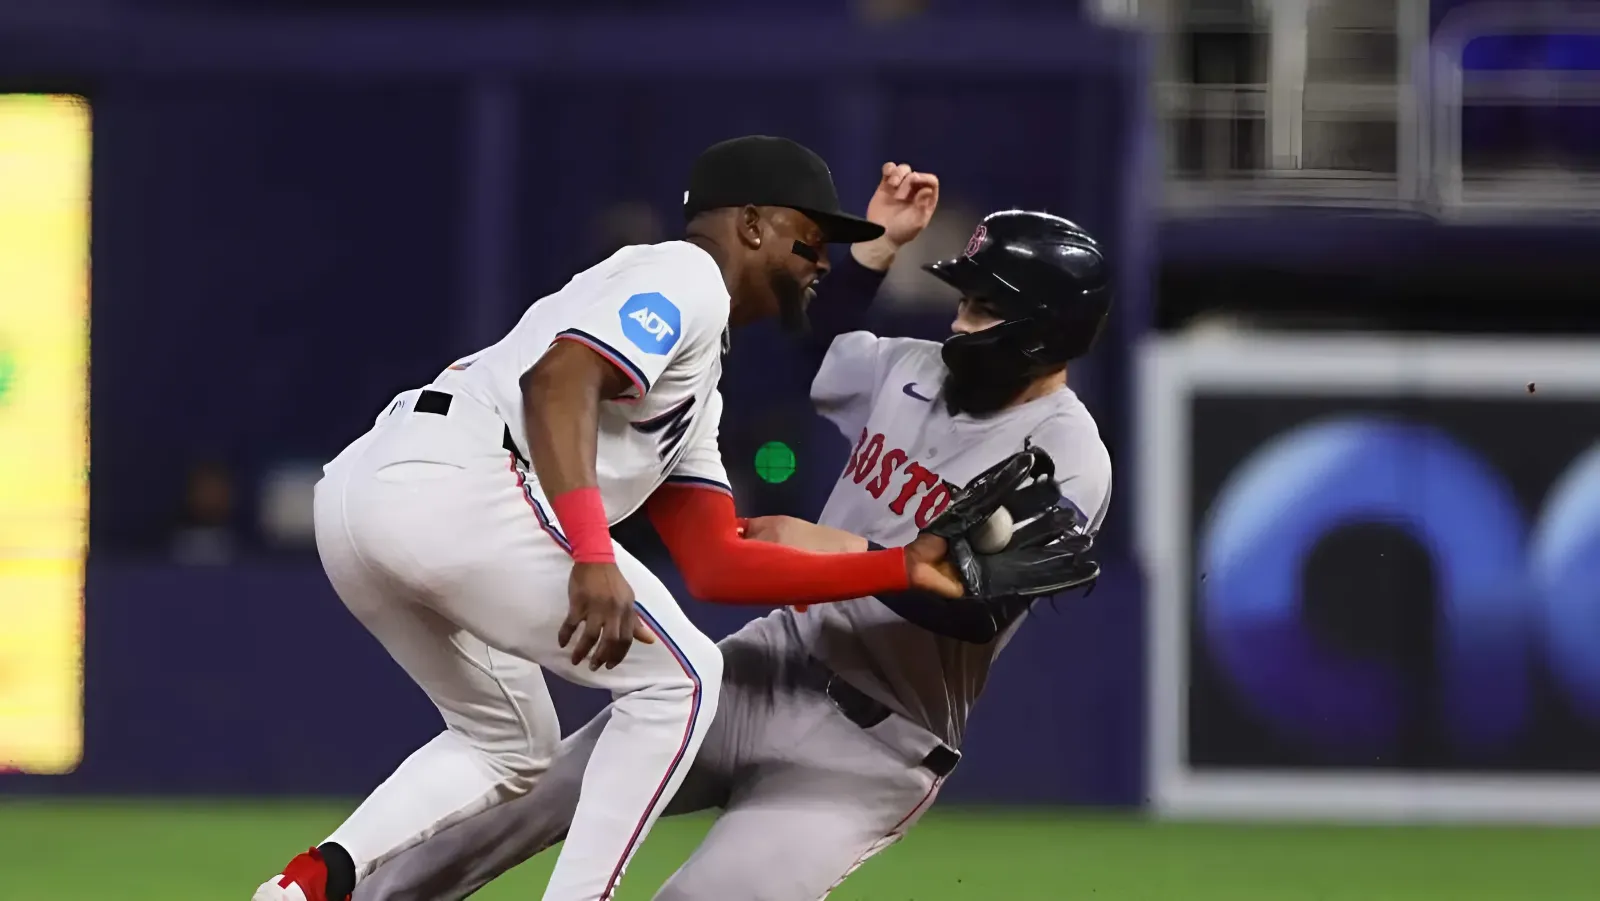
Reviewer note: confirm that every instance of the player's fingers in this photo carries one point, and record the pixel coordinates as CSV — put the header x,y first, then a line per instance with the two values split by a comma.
x,y
905,185
581,646
616,650
614,647
604,648
888,169
569,626
641,630
586,642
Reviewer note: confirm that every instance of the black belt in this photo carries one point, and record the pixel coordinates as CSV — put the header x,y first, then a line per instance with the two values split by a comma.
x,y
865,711
438,402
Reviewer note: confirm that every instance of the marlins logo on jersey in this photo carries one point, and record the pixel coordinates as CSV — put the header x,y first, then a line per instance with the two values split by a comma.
x,y
669,427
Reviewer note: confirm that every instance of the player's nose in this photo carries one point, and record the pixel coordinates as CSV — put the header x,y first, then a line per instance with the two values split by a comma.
x,y
963,324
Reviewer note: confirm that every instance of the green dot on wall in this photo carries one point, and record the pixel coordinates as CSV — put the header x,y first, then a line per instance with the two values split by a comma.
x,y
775,462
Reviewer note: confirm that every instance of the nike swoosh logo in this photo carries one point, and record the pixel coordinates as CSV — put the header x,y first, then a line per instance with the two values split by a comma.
x,y
911,393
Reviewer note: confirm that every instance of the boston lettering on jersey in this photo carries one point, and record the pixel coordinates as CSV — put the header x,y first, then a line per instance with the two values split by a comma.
x,y
875,468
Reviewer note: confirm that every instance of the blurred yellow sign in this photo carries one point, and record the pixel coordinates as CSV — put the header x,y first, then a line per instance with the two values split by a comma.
x,y
44,432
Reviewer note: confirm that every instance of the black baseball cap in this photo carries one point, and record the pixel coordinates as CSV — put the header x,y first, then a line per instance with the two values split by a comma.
x,y
765,171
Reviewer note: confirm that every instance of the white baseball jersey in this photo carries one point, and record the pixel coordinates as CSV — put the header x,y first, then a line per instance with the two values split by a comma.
x,y
882,393
659,312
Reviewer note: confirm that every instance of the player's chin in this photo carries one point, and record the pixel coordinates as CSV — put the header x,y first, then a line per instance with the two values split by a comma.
x,y
791,313
977,395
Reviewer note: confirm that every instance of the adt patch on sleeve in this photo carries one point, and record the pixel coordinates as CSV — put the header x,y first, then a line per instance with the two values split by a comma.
x,y
651,322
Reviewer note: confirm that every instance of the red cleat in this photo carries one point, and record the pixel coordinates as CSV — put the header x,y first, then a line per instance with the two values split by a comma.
x,y
304,879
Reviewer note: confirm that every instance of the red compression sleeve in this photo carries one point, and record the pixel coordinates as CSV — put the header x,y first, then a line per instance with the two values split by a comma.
x,y
583,516
701,530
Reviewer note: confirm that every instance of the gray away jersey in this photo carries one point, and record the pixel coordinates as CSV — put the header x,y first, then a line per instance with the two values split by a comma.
x,y
882,394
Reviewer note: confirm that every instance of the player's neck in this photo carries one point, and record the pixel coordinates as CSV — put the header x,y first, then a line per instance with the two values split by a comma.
x,y
713,249
720,256
1039,387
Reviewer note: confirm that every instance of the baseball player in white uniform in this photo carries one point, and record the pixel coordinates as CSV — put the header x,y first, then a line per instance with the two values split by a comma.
x,y
839,723
454,528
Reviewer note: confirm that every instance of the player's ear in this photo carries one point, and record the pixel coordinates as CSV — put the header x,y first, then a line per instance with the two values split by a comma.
x,y
749,226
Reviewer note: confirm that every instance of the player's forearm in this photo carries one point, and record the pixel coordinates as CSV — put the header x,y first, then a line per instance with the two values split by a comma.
x,y
876,255
753,572
807,536
843,299
700,530
561,397
963,620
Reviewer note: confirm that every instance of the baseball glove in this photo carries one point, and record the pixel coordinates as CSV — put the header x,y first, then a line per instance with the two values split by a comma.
x,y
1049,547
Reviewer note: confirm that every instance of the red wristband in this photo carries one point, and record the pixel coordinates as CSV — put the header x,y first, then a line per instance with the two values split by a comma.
x,y
583,517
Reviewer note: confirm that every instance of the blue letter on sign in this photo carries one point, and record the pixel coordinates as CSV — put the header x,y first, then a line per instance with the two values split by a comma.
x,y
1565,559
1309,482
651,322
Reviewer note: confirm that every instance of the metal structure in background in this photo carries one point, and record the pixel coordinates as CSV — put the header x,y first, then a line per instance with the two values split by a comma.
x,y
1355,103
1293,102
1536,186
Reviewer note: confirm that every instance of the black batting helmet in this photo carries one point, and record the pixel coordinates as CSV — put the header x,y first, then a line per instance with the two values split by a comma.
x,y
1043,275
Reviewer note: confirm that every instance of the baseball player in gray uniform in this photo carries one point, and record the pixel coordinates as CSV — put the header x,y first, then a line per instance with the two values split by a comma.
x,y
839,722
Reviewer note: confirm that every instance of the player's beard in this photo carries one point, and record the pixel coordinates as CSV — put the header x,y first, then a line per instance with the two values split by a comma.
x,y
977,392
982,378
791,301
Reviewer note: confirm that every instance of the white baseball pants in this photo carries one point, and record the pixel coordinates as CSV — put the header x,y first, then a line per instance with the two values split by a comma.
x,y
440,544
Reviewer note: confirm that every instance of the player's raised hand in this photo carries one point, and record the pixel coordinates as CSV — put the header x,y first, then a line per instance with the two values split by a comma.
x,y
600,603
903,204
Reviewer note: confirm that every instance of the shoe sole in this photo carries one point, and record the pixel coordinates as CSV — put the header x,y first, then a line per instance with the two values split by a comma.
x,y
272,891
